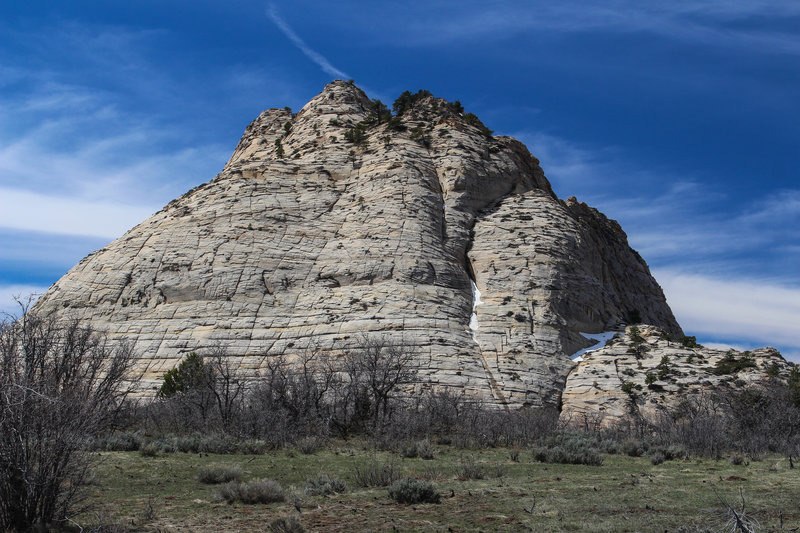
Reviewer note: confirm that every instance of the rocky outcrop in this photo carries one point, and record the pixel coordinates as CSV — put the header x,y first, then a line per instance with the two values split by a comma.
x,y
641,373
337,223
547,271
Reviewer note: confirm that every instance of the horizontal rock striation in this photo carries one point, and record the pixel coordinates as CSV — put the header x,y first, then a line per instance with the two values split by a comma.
x,y
337,223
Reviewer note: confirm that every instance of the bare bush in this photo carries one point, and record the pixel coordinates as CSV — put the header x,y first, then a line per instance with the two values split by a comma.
x,y
61,384
291,399
202,392
736,517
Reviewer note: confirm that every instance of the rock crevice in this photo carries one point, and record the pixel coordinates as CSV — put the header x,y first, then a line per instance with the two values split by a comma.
x,y
307,240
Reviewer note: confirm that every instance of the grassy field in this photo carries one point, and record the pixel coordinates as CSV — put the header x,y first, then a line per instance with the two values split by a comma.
x,y
624,494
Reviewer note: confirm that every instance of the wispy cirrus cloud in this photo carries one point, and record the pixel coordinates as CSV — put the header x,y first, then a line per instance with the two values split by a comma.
x,y
735,310
316,57
674,218
29,211
729,271
139,164
73,128
760,237
96,136
95,126
709,23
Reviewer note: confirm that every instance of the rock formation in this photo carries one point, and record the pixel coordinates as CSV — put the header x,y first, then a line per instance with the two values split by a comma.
x,y
640,374
340,222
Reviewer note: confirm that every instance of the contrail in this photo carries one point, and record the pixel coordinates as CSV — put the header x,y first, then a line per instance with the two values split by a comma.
x,y
324,64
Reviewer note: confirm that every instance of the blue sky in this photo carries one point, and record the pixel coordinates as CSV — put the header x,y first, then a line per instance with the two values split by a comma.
x,y
679,119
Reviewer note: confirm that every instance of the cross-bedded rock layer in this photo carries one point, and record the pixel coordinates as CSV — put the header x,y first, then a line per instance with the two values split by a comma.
x,y
642,375
307,241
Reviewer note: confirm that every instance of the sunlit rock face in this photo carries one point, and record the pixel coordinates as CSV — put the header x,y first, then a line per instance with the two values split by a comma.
x,y
642,375
308,241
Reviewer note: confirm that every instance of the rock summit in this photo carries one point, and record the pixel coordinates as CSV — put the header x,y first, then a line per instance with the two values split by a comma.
x,y
343,222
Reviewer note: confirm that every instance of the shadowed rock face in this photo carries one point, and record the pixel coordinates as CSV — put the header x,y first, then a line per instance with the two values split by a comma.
x,y
306,241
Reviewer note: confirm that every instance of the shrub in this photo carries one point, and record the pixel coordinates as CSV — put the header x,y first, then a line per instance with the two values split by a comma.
x,y
357,134
473,120
148,450
189,443
418,135
730,364
634,447
62,383
376,475
324,485
410,491
258,491
406,100
395,124
286,524
673,452
657,457
422,449
166,445
430,471
469,469
122,441
253,447
191,373
793,386
572,455
408,450
309,445
219,443
607,445
635,336
690,341
216,474
497,470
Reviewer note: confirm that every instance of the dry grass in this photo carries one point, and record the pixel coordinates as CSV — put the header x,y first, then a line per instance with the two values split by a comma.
x,y
624,494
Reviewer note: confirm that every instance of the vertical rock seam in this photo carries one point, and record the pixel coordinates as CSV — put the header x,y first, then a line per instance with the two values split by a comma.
x,y
334,223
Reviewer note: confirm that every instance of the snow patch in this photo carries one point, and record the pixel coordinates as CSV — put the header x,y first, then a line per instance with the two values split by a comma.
x,y
601,339
476,301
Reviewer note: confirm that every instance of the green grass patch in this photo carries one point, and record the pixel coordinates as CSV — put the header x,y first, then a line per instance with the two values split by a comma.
x,y
623,494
